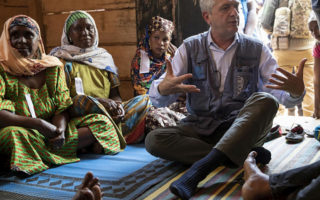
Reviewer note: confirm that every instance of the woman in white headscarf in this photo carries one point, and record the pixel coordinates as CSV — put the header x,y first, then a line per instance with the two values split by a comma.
x,y
93,78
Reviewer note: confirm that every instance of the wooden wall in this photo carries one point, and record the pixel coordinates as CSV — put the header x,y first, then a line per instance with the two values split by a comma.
x,y
116,23
120,23
115,19
9,8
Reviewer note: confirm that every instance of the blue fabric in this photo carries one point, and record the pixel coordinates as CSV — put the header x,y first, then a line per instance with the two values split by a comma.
x,y
123,176
245,10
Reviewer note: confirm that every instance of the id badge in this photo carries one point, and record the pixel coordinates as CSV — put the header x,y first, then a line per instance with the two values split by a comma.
x,y
79,86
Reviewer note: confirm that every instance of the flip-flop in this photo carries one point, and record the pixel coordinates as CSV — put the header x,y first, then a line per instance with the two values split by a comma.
x,y
295,135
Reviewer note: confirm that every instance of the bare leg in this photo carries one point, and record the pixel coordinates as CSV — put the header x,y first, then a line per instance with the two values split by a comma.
x,y
89,189
86,139
256,184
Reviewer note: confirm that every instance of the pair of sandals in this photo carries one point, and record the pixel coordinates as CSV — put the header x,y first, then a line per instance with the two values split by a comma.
x,y
296,134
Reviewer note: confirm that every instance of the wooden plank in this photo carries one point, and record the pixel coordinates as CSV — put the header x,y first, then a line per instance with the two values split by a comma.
x,y
14,3
146,9
117,26
126,89
122,56
7,12
56,6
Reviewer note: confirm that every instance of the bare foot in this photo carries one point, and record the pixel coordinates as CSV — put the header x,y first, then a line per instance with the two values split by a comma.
x,y
89,189
256,184
57,142
97,148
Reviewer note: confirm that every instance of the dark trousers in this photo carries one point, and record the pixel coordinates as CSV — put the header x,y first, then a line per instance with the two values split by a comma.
x,y
235,139
298,184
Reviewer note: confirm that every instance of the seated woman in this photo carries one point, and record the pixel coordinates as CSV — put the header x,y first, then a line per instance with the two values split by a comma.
x,y
35,129
149,64
93,78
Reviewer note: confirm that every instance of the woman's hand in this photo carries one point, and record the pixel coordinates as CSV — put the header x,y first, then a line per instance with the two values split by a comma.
x,y
61,122
114,108
121,113
47,129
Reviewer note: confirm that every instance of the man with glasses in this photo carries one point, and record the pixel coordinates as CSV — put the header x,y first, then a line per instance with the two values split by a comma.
x,y
232,90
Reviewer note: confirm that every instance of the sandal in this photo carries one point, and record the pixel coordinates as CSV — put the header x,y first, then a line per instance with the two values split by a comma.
x,y
295,135
274,133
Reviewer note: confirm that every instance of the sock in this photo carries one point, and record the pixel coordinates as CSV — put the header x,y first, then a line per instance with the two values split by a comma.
x,y
186,185
264,155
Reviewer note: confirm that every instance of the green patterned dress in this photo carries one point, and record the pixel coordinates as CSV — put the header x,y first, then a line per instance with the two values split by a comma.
x,y
26,147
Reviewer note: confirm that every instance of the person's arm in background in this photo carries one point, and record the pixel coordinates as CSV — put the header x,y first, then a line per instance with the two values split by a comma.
x,y
316,79
252,18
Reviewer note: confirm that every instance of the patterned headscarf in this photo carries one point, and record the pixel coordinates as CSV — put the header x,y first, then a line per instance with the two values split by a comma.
x,y
24,21
12,61
160,24
92,56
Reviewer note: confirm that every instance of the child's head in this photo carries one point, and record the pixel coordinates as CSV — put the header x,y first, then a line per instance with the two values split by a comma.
x,y
313,26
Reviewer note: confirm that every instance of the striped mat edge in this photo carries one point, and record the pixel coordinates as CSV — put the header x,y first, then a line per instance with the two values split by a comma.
x,y
225,184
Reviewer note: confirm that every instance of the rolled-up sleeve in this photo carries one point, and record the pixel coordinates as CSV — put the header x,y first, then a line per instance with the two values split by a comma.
x,y
179,67
268,66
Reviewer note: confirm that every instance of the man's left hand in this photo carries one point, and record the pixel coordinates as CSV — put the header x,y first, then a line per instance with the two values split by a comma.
x,y
292,83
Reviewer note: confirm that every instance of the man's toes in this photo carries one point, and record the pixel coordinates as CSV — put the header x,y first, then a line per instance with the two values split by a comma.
x,y
87,179
96,192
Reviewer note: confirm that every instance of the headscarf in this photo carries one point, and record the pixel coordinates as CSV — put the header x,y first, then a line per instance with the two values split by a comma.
x,y
160,24
145,67
12,61
92,56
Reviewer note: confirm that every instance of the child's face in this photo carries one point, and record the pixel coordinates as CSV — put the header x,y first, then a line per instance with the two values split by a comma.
x,y
314,29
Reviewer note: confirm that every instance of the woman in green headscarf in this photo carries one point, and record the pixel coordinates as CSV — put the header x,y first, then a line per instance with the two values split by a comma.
x,y
93,78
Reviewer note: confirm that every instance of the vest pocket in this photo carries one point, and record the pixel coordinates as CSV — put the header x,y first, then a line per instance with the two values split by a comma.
x,y
199,68
243,83
199,101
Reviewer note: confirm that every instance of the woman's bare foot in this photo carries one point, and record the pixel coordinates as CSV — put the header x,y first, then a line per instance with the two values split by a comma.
x,y
57,142
89,189
97,148
256,184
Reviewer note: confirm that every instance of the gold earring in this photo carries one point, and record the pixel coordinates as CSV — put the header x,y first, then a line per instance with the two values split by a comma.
x,y
149,45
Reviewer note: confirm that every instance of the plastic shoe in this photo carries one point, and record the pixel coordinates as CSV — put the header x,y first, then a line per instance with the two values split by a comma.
x,y
274,133
295,135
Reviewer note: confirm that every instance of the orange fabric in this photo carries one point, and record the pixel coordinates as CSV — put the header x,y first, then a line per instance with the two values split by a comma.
x,y
13,63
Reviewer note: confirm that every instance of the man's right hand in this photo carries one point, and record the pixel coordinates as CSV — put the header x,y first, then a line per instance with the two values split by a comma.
x,y
172,84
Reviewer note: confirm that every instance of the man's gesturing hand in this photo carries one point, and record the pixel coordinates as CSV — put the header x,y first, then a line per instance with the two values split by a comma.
x,y
172,84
